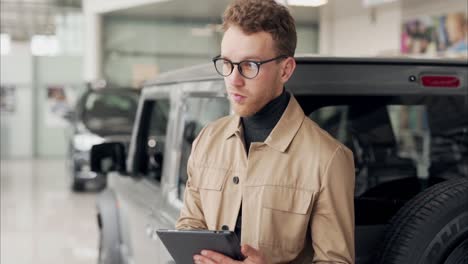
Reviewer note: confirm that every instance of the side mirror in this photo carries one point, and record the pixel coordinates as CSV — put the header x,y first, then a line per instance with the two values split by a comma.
x,y
189,131
108,157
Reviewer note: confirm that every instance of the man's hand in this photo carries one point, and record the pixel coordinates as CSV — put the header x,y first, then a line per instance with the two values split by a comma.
x,y
251,254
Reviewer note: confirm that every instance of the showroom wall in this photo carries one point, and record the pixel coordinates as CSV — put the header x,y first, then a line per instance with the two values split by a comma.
x,y
347,28
51,129
414,8
16,131
41,79
31,128
132,46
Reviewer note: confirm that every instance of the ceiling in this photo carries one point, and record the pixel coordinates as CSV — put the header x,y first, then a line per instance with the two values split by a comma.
x,y
203,10
23,18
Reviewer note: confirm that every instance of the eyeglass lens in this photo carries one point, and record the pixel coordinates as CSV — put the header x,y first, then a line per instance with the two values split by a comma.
x,y
246,68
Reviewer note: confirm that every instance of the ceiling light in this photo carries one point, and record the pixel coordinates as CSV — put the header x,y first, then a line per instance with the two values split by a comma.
x,y
313,3
372,3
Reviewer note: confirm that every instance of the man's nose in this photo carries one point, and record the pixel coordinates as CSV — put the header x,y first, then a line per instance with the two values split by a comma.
x,y
236,79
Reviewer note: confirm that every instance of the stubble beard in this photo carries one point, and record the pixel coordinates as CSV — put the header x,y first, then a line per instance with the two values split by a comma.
x,y
248,109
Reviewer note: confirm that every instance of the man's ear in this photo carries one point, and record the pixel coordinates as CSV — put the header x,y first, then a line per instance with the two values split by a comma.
x,y
289,64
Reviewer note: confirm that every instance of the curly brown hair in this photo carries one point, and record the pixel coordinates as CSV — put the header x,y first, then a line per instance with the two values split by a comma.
x,y
264,15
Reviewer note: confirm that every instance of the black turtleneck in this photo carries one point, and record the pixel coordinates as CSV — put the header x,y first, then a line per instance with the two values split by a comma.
x,y
257,128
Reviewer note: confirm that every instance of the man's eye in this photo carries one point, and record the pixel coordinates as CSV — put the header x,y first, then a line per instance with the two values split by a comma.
x,y
250,66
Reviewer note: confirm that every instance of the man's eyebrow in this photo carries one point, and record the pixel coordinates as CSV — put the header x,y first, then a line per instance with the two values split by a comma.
x,y
253,57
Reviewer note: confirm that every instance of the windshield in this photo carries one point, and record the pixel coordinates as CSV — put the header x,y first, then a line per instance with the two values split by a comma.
x,y
110,113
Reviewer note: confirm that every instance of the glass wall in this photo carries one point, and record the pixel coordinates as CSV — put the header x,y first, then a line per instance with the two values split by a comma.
x,y
136,49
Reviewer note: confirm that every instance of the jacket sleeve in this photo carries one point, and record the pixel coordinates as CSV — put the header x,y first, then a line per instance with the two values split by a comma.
x,y
191,215
332,218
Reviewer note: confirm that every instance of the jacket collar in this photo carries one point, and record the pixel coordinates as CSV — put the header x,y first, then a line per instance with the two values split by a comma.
x,y
284,131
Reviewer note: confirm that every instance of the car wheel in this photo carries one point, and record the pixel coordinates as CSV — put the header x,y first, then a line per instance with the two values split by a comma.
x,y
431,228
78,186
459,255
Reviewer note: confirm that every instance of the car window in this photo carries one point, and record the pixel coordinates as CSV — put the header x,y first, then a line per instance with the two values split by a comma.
x,y
110,113
153,132
401,138
198,112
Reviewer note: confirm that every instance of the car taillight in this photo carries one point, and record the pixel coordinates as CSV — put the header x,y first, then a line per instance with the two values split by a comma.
x,y
440,81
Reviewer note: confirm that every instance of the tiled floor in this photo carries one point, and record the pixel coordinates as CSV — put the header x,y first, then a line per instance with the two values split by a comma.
x,y
42,220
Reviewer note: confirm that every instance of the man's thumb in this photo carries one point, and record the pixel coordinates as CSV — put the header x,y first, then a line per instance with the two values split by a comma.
x,y
248,251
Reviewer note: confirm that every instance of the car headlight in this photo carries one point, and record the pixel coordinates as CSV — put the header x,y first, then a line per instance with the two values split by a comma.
x,y
84,142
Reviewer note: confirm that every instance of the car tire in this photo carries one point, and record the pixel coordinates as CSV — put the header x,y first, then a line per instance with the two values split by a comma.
x,y
78,186
459,255
109,229
431,228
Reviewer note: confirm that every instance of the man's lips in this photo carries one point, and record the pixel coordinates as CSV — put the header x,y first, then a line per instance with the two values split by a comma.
x,y
238,97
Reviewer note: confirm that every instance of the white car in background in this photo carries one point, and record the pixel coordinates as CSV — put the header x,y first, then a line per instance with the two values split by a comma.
x,y
99,115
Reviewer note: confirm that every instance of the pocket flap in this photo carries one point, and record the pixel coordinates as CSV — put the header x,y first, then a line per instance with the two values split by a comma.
x,y
209,178
286,199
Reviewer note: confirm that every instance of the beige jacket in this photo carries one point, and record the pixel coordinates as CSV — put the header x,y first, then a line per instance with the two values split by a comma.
x,y
299,180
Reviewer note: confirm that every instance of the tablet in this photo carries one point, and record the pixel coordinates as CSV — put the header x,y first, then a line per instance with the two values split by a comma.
x,y
184,244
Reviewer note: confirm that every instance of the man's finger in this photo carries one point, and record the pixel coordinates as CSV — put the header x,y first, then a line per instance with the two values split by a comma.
x,y
199,259
249,251
217,257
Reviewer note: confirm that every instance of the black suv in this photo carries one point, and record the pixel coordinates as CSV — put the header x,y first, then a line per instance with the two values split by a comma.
x,y
405,120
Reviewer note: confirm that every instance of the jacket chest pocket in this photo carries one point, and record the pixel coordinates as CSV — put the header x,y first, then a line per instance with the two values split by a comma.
x,y
285,215
209,178
210,181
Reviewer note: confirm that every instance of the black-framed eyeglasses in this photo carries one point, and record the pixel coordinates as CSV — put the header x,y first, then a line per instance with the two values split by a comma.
x,y
247,68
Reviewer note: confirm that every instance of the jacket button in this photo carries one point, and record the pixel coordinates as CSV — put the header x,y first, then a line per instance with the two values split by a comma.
x,y
235,180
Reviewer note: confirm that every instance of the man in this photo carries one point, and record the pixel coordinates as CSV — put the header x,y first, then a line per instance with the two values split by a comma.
x,y
268,172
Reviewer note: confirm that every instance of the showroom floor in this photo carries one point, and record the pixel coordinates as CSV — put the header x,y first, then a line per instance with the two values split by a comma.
x,y
42,221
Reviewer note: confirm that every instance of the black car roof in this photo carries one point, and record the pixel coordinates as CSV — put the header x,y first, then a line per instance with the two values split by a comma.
x,y
354,76
206,72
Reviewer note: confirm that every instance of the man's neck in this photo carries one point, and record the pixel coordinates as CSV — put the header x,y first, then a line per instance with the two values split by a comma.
x,y
269,115
258,126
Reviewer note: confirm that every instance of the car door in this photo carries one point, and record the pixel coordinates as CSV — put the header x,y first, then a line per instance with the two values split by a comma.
x,y
196,111
143,190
